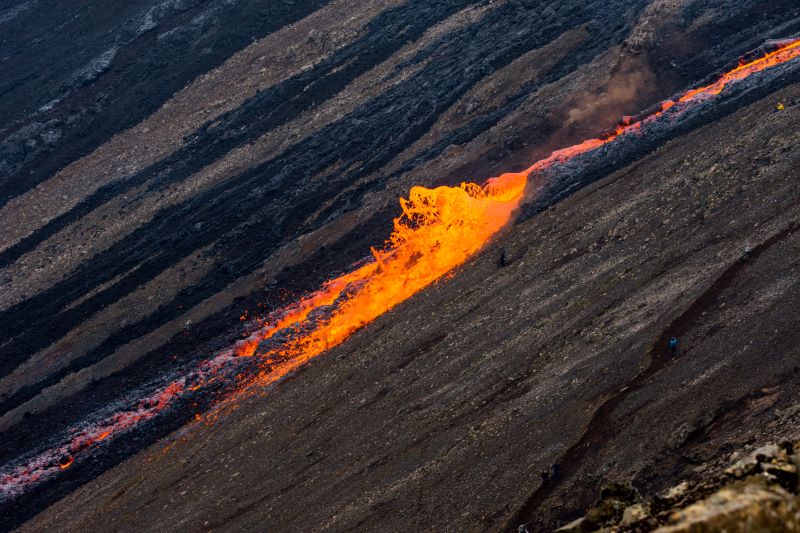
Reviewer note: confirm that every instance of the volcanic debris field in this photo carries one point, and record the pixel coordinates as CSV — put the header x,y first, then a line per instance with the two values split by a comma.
x,y
174,171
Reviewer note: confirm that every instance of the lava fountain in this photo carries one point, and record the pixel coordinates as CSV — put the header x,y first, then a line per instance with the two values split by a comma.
x,y
439,229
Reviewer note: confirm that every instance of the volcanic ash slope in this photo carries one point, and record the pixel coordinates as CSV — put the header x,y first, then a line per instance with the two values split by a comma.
x,y
442,414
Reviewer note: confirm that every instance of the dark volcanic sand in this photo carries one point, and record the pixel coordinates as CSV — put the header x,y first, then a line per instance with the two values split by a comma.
x,y
442,414
122,257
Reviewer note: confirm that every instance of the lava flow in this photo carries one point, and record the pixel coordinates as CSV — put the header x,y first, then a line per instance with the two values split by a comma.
x,y
785,53
438,230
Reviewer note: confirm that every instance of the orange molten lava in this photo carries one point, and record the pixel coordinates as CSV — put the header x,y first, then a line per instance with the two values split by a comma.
x,y
438,230
783,54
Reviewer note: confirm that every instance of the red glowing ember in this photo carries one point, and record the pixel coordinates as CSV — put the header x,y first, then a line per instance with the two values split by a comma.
x,y
66,462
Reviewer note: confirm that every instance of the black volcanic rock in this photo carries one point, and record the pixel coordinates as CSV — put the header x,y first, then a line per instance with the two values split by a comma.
x,y
167,165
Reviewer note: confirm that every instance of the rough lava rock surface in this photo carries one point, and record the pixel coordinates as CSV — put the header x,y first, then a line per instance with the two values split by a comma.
x,y
167,165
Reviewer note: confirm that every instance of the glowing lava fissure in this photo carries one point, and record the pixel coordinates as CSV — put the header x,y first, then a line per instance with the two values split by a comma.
x,y
438,230
442,228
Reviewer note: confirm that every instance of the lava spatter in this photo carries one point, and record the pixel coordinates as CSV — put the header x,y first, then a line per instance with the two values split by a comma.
x,y
439,229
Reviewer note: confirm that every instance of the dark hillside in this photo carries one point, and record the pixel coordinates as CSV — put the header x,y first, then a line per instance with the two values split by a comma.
x,y
442,414
169,166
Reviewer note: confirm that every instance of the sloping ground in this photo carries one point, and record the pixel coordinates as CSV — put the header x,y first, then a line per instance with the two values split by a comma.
x,y
442,414
144,207
76,73
753,489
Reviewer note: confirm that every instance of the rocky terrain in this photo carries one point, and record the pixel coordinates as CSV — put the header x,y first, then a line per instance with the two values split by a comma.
x,y
167,166
759,492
